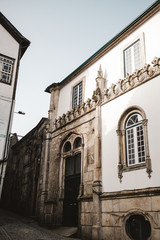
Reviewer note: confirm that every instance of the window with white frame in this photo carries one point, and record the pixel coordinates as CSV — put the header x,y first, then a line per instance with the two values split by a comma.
x,y
132,58
77,95
135,140
6,69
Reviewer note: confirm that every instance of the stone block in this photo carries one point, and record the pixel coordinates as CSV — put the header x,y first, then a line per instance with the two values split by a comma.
x,y
86,232
118,233
95,232
87,207
111,220
155,234
86,219
108,233
156,219
107,206
88,176
116,205
88,189
156,203
143,203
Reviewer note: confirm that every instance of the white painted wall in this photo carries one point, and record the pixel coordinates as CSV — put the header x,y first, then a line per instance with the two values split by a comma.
x,y
112,64
147,97
8,47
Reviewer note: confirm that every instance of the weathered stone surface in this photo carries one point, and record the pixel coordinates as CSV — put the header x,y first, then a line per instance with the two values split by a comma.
x,y
155,219
86,219
108,233
86,232
116,205
87,207
155,234
142,203
156,203
107,206
111,220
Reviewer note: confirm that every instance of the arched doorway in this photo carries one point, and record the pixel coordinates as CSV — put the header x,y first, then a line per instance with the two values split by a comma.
x,y
72,181
138,228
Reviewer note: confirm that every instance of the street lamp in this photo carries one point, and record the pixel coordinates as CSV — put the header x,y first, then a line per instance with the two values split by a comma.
x,y
20,112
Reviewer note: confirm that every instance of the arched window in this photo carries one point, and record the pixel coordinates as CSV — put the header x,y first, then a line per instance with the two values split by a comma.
x,y
133,141
77,142
135,146
67,147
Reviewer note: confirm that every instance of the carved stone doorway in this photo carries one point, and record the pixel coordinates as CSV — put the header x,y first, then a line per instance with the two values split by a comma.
x,y
71,191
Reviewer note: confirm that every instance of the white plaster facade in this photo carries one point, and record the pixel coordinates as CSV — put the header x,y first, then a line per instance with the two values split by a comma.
x,y
12,46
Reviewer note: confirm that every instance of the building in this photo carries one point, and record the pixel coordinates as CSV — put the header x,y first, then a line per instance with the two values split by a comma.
x,y
99,164
23,169
12,47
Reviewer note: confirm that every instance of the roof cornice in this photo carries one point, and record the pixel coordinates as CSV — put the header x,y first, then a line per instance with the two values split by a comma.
x,y
24,42
153,9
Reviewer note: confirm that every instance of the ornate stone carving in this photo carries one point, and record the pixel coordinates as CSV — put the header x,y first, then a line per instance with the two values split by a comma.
x,y
97,187
145,122
120,132
120,171
148,164
102,95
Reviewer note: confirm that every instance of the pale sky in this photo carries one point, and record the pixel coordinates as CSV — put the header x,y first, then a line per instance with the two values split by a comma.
x,y
63,34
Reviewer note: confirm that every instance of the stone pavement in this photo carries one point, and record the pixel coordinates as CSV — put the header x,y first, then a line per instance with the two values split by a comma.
x,y
16,227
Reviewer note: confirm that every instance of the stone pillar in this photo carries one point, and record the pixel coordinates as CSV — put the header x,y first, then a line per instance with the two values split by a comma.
x,y
44,172
52,113
97,183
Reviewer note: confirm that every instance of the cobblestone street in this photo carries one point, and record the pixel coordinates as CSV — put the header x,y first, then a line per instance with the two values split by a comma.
x,y
16,227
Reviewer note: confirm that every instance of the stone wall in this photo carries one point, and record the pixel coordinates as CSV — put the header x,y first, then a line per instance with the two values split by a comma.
x,y
116,209
22,178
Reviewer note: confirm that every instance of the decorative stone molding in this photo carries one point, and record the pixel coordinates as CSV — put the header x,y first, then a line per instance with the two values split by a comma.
x,y
101,96
132,81
97,187
122,164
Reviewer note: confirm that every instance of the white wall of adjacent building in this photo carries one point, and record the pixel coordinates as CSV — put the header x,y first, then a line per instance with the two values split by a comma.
x,y
8,47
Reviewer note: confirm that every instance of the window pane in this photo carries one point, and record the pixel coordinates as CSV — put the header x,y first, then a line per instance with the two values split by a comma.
x,y
5,69
140,144
130,147
77,142
67,147
77,95
69,166
132,58
78,163
137,60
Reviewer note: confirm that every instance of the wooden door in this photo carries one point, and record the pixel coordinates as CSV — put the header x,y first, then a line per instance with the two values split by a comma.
x,y
71,192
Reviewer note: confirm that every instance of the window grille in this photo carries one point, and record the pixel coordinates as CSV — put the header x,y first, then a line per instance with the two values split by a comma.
x,y
132,58
6,66
77,95
135,140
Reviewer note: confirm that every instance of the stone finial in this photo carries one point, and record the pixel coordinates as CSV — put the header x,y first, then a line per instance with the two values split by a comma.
x,y
100,79
100,72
